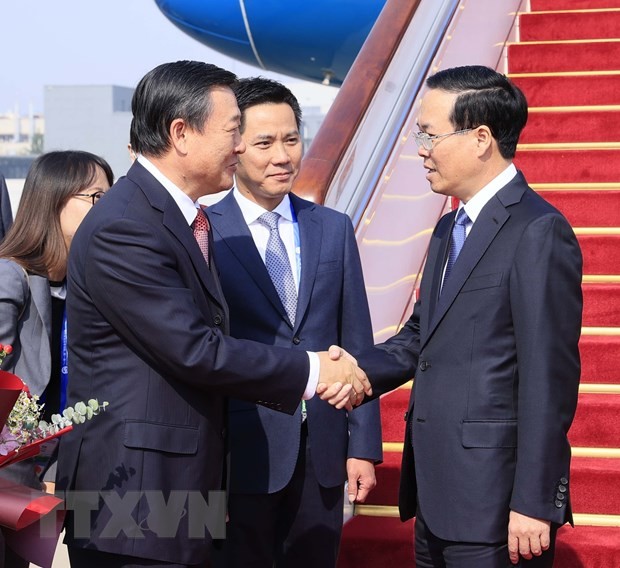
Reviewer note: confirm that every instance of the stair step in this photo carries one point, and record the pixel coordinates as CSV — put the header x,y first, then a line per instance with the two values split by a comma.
x,y
377,542
569,25
555,57
600,359
587,208
601,305
601,253
591,480
388,478
594,484
570,166
557,126
541,5
597,421
393,408
390,543
555,90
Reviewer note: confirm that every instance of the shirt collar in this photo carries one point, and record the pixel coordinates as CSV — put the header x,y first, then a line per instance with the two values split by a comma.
x,y
251,211
183,201
478,201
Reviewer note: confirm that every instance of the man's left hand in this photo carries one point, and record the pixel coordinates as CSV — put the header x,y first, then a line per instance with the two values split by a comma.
x,y
361,474
527,536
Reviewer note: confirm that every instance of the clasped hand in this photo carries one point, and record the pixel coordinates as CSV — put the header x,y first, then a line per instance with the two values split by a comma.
x,y
341,382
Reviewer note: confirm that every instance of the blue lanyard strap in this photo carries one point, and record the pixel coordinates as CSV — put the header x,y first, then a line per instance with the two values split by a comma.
x,y
64,361
297,244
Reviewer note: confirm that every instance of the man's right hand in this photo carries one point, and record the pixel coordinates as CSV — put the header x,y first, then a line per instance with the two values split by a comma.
x,y
341,382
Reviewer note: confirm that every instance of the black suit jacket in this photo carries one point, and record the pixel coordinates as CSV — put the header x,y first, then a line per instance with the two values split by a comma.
x,y
148,331
332,309
496,367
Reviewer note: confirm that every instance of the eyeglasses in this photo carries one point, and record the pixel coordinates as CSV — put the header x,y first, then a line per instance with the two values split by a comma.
x,y
424,140
93,196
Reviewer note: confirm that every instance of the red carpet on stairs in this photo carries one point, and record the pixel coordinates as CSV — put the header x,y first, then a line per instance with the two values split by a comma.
x,y
570,166
600,359
560,90
540,58
576,126
587,208
570,151
601,305
601,253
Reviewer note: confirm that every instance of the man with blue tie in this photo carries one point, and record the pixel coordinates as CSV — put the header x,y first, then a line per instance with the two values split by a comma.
x,y
492,342
291,274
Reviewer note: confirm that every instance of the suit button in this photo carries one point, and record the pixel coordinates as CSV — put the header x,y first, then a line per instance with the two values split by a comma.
x,y
564,481
424,365
559,504
217,320
296,340
562,488
560,496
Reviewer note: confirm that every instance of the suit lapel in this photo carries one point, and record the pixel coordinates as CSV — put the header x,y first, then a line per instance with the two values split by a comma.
x,y
173,220
434,268
490,221
229,223
310,235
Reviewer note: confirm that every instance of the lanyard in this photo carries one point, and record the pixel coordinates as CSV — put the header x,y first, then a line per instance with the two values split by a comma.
x,y
297,244
64,360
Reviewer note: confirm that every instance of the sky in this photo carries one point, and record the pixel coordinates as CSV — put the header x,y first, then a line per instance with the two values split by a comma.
x,y
100,42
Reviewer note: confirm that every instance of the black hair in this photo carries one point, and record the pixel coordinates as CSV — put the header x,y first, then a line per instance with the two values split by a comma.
x,y
170,91
259,90
485,97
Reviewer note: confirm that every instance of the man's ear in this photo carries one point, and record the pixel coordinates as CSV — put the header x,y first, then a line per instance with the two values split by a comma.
x,y
178,135
484,139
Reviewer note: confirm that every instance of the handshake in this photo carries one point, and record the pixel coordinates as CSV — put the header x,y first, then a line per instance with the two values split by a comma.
x,y
341,382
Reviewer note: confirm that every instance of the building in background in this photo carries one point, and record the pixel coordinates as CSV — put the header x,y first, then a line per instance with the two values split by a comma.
x,y
93,118
21,135
96,118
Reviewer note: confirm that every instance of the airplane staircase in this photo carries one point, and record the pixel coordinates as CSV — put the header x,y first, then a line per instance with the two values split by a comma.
x,y
567,62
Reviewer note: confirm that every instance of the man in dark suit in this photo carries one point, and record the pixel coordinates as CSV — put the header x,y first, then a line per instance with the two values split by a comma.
x,y
492,342
288,471
148,333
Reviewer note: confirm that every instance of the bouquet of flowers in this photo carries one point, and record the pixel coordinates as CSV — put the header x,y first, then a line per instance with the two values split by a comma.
x,y
24,434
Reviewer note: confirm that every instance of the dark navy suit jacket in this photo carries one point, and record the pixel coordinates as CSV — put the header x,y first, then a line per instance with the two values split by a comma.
x,y
497,369
148,329
332,309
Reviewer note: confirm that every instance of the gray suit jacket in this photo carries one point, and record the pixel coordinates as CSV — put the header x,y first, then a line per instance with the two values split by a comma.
x,y
25,324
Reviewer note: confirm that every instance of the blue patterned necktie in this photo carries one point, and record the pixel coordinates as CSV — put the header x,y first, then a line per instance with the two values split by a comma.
x,y
457,241
279,266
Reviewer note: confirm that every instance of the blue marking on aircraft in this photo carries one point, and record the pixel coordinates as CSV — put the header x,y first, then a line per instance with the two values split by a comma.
x,y
315,40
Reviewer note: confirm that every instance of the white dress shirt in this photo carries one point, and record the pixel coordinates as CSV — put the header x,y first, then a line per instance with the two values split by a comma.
x,y
251,211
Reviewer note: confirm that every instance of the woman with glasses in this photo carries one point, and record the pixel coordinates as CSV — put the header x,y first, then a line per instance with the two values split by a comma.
x,y
60,189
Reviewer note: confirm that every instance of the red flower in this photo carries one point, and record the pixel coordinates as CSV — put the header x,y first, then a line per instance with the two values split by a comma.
x,y
8,349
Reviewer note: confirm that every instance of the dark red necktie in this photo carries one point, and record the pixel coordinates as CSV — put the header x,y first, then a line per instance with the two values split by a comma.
x,y
201,233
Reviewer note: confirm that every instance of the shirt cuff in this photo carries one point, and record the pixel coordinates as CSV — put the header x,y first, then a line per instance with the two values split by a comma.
x,y
313,375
